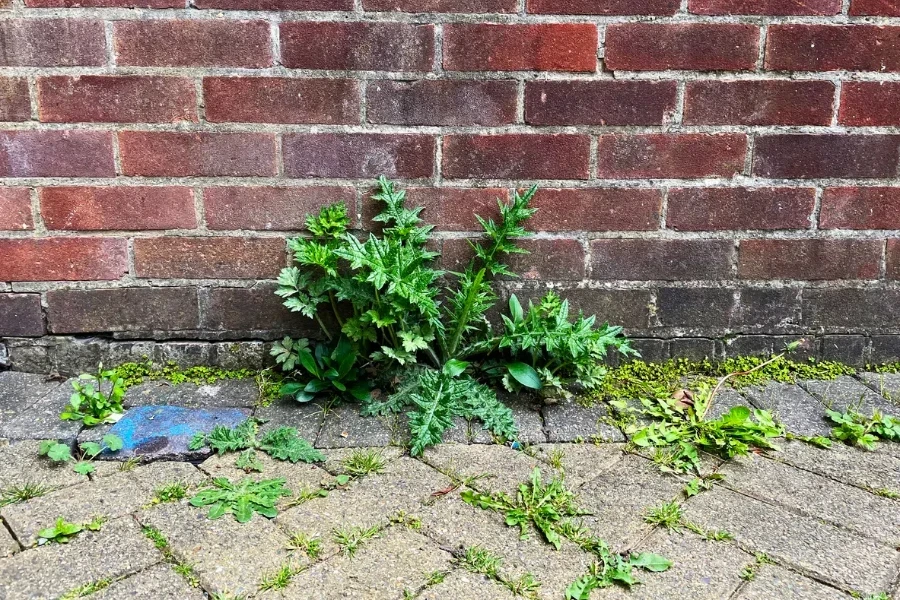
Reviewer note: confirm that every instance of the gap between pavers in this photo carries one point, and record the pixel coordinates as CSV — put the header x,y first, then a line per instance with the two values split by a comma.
x,y
885,384
461,584
854,466
772,581
847,392
159,582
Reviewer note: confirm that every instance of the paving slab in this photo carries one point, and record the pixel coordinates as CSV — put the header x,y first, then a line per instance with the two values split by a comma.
x,y
800,413
886,384
580,462
335,458
8,544
225,393
501,469
298,477
463,585
344,427
155,475
855,466
526,411
726,399
41,421
848,392
772,581
50,571
19,391
20,464
305,417
467,432
159,582
568,421
833,555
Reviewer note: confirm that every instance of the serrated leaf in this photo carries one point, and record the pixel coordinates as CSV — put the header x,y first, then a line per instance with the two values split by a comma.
x,y
83,467
113,442
59,453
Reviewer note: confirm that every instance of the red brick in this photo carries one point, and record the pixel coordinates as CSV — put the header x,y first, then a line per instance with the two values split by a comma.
x,y
833,48
544,47
884,8
548,259
15,104
664,156
123,309
441,102
281,100
56,154
596,209
442,6
118,208
828,155
357,46
192,43
693,46
15,209
270,208
249,311
104,99
765,7
21,316
159,154
63,259
860,208
208,257
448,209
105,3
758,102
276,4
604,7
516,156
809,259
52,43
714,209
599,102
665,260
870,103
893,259
352,155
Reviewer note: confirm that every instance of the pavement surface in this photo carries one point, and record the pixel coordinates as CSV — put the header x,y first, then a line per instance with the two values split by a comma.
x,y
805,523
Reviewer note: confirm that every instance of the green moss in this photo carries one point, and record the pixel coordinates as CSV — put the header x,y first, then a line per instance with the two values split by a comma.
x,y
135,373
893,367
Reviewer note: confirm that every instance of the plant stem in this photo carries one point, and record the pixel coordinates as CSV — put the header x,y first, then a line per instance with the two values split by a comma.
x,y
464,317
324,329
334,307
722,381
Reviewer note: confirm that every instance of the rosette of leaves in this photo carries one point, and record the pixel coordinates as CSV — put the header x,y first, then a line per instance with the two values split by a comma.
x,y
83,463
90,403
855,428
241,499
281,443
325,371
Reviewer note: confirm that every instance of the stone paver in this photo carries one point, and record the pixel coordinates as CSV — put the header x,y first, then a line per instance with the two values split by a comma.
x,y
344,427
20,464
772,581
568,421
41,421
305,417
159,582
726,399
527,417
497,468
298,477
462,585
19,391
224,393
580,462
886,384
8,544
872,470
847,392
797,410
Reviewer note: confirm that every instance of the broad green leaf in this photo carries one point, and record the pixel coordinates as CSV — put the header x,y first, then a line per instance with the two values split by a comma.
x,y
59,453
83,467
651,562
113,442
524,374
454,367
91,449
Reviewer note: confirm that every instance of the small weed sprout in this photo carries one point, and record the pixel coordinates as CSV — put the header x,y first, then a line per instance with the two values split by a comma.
x,y
479,560
666,515
311,546
351,539
279,579
364,462
20,493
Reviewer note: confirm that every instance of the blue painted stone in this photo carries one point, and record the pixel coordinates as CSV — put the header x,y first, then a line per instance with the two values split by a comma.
x,y
156,432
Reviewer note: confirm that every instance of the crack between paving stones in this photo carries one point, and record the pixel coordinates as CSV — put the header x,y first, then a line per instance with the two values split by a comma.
x,y
786,462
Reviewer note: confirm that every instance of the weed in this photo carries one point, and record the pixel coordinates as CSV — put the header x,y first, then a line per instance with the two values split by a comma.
x,y
478,560
525,585
555,458
241,499
859,430
886,493
305,495
311,546
186,570
818,441
748,573
282,443
83,463
87,589
63,531
350,539
171,492
364,462
20,493
714,535
666,515
328,370
435,577
91,403
411,522
136,373
129,465
248,462
701,484
279,579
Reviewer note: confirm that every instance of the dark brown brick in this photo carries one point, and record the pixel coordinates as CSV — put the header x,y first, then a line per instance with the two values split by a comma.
x,y
829,155
56,154
863,308
501,47
893,259
809,259
768,309
516,156
118,208
116,99
626,308
166,309
281,100
692,46
236,310
596,209
771,102
666,260
860,208
693,348
441,6
208,257
599,102
164,154
20,315
883,8
270,208
833,47
441,102
351,155
448,209
694,307
52,43
357,46
193,43
870,103
604,7
548,259
765,7
105,3
15,209
15,104
713,209
664,155
275,4
63,259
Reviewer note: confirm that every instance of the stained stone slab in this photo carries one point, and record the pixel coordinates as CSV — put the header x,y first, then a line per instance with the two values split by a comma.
x,y
772,581
836,556
726,399
871,470
298,477
8,544
846,392
241,393
571,422
885,384
50,571
344,427
41,421
580,462
20,464
305,417
334,462
502,468
463,585
798,411
159,582
19,391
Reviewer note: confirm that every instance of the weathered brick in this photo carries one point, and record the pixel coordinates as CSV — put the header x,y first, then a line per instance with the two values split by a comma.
x,y
860,208
499,47
15,209
694,307
20,315
694,46
116,99
448,209
850,308
118,208
192,43
767,309
548,259
164,154
281,100
269,208
441,102
52,43
765,7
15,104
56,154
440,6
627,308
833,47
867,103
596,209
276,4
662,155
599,102
122,309
713,209
772,102
884,8
667,260
253,309
105,3
604,7
208,257
828,155
516,156
893,259
357,46
63,259
358,155
809,259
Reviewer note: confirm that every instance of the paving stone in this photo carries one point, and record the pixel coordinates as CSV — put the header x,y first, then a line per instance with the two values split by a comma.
x,y
298,477
224,393
18,391
47,572
155,475
463,585
20,464
335,458
847,392
156,583
305,417
772,581
467,432
527,417
227,556
798,411
8,544
41,421
726,399
344,427
833,555
816,496
886,384
502,468
580,462
571,422
871,470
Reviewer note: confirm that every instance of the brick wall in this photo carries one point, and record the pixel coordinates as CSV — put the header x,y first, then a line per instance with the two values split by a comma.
x,y
709,169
